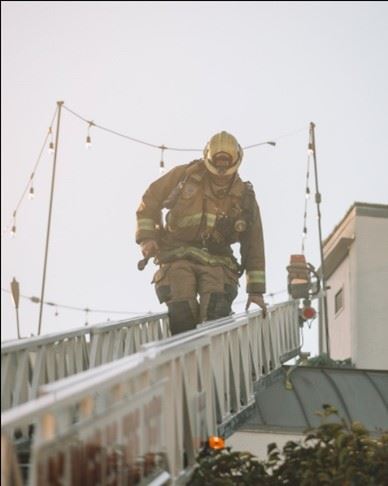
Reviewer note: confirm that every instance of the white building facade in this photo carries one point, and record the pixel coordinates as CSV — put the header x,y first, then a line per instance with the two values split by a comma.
x,y
356,271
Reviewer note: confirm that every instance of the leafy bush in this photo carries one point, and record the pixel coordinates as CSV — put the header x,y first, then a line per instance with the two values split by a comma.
x,y
324,360
332,454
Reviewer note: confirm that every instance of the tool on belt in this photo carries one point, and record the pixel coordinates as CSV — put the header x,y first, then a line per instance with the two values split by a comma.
x,y
141,264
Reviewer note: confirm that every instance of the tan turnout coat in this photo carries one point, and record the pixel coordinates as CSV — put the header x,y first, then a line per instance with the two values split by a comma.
x,y
203,222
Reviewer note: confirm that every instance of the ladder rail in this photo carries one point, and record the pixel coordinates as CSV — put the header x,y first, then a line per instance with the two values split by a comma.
x,y
164,400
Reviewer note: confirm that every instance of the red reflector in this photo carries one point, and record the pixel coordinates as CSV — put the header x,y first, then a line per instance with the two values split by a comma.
x,y
309,313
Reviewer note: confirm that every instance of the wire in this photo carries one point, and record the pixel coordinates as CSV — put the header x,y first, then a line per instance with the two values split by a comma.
x,y
164,147
32,175
274,140
123,135
269,294
294,132
36,300
114,132
307,197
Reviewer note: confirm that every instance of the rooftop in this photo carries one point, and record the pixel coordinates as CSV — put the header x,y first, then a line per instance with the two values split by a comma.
x,y
351,391
361,209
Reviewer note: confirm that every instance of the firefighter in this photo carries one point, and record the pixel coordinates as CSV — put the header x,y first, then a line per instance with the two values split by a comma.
x,y
208,209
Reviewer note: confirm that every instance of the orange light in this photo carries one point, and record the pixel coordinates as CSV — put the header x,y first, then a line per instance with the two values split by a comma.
x,y
216,442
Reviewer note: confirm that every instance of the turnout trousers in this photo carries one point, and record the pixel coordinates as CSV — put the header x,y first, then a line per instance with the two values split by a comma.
x,y
195,292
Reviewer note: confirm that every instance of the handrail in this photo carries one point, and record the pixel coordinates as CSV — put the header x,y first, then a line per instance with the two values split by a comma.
x,y
150,412
28,363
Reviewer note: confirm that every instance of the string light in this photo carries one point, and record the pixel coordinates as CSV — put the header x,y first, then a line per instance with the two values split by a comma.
x,y
13,228
310,149
88,143
28,185
51,144
162,169
36,300
31,192
86,316
176,149
49,136
307,197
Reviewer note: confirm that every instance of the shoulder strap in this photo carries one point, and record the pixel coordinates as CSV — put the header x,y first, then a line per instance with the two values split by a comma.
x,y
193,170
196,169
248,197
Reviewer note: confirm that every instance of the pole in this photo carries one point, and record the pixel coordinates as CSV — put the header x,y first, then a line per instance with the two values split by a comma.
x,y
318,200
15,296
60,104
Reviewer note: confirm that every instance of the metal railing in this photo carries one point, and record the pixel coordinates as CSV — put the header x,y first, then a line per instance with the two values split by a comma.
x,y
28,363
145,417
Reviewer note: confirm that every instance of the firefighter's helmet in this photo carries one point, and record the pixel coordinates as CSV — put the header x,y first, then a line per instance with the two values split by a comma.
x,y
223,143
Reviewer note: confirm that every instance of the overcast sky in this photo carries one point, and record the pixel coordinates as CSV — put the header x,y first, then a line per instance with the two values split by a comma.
x,y
175,73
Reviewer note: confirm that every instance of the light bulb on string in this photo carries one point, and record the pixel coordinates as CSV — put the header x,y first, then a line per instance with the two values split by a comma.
x,y
86,316
13,227
308,193
88,143
31,192
162,168
51,144
52,304
310,149
304,237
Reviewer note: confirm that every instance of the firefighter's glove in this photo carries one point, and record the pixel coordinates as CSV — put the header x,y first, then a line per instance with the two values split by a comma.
x,y
149,248
257,299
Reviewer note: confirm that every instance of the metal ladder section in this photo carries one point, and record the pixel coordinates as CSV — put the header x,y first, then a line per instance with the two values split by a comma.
x,y
142,419
29,363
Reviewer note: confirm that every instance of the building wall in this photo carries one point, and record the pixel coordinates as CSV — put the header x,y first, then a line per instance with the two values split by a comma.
x,y
360,329
341,344
371,294
342,338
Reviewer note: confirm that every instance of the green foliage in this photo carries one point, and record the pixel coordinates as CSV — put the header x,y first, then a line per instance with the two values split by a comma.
x,y
332,454
323,360
226,468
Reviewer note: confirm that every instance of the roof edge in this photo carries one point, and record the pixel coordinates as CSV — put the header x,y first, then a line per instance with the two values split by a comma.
x,y
362,209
